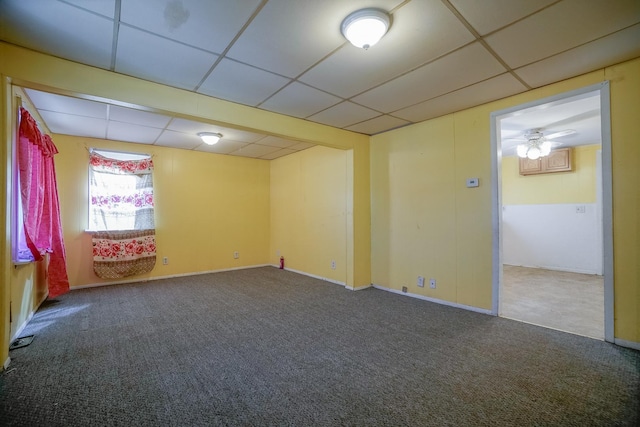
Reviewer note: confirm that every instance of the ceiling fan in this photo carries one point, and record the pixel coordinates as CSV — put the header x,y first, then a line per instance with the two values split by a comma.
x,y
536,144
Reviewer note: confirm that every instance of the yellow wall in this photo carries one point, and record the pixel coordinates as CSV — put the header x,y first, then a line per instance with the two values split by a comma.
x,y
207,206
6,109
308,211
425,222
28,291
625,135
577,186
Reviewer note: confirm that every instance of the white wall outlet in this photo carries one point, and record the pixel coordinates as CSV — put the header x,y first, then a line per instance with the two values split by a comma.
x,y
432,283
581,209
278,253
420,282
473,182
333,264
236,254
165,260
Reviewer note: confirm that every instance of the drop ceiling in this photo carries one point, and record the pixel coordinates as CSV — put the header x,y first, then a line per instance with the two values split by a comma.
x,y
289,57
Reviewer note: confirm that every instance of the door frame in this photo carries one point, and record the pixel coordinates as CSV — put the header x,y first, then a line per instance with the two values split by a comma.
x,y
607,201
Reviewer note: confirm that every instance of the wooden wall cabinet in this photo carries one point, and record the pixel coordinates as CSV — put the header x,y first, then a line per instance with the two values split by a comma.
x,y
557,161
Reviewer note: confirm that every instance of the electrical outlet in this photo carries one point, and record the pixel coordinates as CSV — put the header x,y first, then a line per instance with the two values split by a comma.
x,y
333,264
581,209
278,253
165,261
432,283
236,255
420,282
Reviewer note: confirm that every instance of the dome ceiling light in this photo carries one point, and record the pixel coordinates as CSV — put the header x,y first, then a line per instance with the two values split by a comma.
x,y
210,138
364,28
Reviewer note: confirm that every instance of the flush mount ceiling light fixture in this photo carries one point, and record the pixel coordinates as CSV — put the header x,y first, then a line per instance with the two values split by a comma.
x,y
535,147
365,27
210,138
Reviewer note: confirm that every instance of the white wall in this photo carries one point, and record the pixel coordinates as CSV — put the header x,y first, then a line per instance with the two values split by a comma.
x,y
554,237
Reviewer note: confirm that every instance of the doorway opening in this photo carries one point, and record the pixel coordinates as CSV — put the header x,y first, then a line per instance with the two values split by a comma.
x,y
552,246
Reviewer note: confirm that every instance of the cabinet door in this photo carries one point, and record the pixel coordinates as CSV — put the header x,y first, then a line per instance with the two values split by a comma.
x,y
530,167
557,161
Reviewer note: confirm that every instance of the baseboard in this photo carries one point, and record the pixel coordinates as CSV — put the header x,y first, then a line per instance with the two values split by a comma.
x,y
435,300
359,288
29,317
149,279
326,279
628,344
6,364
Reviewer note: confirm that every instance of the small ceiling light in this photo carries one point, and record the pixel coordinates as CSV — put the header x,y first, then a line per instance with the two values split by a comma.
x,y
210,138
365,27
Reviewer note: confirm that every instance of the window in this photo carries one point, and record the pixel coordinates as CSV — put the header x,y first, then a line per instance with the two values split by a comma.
x,y
120,191
20,251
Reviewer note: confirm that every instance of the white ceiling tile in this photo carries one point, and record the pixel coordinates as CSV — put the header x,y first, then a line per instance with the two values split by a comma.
x,y
439,77
424,30
344,114
378,124
276,154
241,83
157,59
209,25
299,100
301,146
487,16
222,147
618,47
240,135
103,7
479,93
193,127
559,28
274,141
129,132
254,150
73,34
173,139
69,124
59,103
287,37
142,118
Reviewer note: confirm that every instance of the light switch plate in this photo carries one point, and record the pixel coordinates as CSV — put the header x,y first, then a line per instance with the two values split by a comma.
x,y
473,182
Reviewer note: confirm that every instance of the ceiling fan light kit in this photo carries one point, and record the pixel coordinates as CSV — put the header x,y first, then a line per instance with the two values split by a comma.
x,y
365,27
535,147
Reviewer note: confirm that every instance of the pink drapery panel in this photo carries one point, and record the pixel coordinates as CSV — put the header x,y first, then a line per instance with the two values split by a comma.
x,y
41,207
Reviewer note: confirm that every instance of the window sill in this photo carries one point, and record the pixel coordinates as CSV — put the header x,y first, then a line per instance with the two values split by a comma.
x,y
17,264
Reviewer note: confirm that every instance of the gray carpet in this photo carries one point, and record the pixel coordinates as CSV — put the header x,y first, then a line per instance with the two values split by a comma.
x,y
266,347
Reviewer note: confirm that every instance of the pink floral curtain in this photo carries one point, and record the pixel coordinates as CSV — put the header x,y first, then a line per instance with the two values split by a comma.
x,y
40,204
122,212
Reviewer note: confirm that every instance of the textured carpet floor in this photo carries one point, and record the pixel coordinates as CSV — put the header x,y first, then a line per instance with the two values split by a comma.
x,y
267,347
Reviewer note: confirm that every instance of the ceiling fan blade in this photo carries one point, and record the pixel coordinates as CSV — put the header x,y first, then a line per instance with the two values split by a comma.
x,y
560,134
